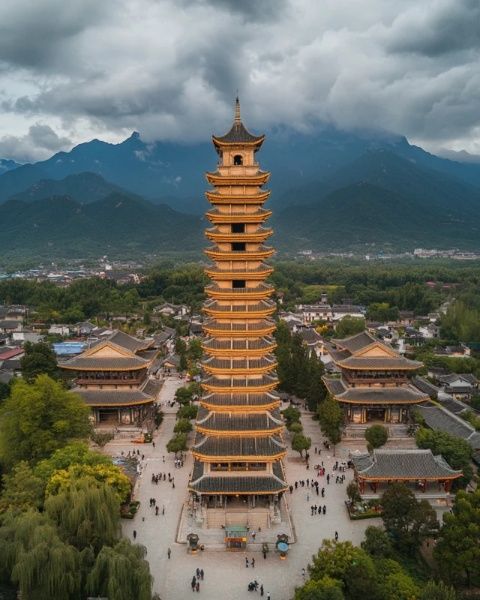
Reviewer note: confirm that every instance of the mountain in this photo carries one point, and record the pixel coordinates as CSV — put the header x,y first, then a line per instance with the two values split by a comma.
x,y
118,225
8,165
173,173
84,188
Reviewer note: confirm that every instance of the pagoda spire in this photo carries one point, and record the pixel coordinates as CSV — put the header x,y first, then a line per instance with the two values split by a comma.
x,y
237,110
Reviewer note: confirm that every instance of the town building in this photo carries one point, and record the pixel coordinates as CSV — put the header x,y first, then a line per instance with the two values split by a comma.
x,y
416,468
238,447
375,380
113,378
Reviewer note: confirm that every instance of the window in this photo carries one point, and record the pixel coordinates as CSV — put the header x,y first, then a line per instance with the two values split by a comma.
x,y
238,283
238,159
238,227
238,246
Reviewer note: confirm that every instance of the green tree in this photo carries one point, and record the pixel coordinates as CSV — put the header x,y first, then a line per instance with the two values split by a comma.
x,y
184,395
39,418
407,520
376,436
353,493
330,416
456,451
86,513
187,411
22,489
37,560
182,426
437,590
377,543
101,438
291,415
195,351
300,443
323,589
317,391
295,427
349,326
458,547
178,443
39,359
121,572
75,453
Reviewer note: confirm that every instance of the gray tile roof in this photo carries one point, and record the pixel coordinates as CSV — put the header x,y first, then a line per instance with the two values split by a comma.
x,y
405,394
240,399
113,397
381,363
129,342
440,419
228,421
238,446
403,464
94,363
425,386
356,342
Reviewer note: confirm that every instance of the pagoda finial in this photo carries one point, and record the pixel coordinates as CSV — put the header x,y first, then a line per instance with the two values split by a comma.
x,y
237,110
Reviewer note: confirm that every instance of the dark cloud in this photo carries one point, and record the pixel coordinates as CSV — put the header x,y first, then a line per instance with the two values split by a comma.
x,y
171,68
40,142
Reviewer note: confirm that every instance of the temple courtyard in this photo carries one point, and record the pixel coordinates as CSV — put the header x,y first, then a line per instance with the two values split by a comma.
x,y
225,573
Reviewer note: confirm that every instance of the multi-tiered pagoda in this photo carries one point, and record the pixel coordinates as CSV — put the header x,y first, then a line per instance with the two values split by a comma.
x,y
238,447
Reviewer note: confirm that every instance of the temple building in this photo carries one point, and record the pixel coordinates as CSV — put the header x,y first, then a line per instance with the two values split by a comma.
x,y
238,447
416,468
375,380
113,379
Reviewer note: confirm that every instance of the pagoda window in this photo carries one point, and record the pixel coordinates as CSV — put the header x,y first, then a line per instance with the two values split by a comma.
x,y
238,227
238,246
238,283
238,159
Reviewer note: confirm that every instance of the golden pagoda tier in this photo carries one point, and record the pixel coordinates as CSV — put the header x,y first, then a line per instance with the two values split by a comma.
x,y
239,445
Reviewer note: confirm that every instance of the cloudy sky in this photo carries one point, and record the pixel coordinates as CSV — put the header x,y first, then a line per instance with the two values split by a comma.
x,y
77,69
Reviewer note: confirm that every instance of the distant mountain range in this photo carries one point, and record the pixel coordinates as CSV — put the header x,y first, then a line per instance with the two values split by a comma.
x,y
332,190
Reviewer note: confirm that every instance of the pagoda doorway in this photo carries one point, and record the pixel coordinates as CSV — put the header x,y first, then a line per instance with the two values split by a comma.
x,y
376,413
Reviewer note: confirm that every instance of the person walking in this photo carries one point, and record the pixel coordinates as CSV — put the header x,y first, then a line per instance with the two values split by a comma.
x,y
261,590
169,553
246,562
253,563
336,536
197,586
202,573
198,573
134,534
268,596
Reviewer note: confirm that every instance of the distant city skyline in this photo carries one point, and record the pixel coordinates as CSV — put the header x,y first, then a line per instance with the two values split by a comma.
x,y
70,72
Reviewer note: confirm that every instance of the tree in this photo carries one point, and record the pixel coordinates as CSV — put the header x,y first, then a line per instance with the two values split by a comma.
x,y
437,590
376,436
291,415
323,589
39,418
458,547
353,492
456,451
195,351
121,572
75,453
350,565
178,443
349,326
300,443
377,543
39,359
184,395
317,391
37,560
110,475
182,426
330,416
406,520
86,514
22,489
101,438
295,427
187,411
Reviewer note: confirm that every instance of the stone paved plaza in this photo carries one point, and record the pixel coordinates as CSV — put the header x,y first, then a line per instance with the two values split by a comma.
x,y
225,574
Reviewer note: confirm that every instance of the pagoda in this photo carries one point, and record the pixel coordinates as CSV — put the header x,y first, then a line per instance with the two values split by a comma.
x,y
238,447
375,382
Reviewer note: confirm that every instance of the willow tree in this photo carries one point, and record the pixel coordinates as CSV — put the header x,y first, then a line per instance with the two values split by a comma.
x,y
121,572
40,563
87,513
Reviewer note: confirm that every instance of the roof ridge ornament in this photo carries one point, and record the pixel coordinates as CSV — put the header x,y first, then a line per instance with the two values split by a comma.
x,y
237,110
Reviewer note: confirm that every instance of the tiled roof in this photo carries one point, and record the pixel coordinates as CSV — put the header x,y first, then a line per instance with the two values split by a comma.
x,y
152,387
238,446
233,421
405,394
129,342
113,397
380,363
425,386
440,419
114,363
238,133
240,399
403,464
356,342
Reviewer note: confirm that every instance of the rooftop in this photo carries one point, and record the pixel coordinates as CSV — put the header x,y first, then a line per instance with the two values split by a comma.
x,y
402,464
238,134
